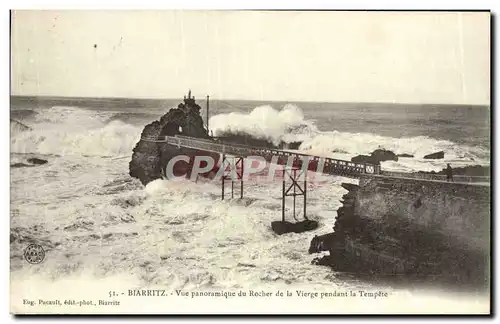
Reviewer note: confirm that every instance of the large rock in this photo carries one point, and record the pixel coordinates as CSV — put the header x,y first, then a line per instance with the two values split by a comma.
x,y
437,155
148,158
37,161
384,155
365,159
376,157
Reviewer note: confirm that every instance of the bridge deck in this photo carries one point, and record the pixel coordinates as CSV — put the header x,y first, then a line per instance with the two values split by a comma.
x,y
330,166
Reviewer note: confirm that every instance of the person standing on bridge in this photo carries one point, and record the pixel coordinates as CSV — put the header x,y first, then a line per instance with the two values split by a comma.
x,y
449,173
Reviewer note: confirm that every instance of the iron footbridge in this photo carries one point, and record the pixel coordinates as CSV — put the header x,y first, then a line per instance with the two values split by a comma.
x,y
316,163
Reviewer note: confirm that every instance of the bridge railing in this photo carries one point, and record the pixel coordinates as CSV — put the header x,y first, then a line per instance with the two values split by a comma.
x,y
330,166
439,177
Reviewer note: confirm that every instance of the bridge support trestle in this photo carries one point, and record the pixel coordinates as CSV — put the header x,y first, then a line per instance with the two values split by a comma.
x,y
298,190
294,190
233,174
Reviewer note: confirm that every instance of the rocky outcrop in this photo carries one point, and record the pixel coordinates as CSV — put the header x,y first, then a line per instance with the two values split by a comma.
x,y
371,236
365,159
148,158
435,156
405,155
37,161
31,162
384,155
21,165
376,157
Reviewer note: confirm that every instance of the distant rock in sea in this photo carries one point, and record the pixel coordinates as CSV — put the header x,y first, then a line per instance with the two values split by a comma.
x,y
384,155
20,165
37,161
376,157
405,155
435,156
365,159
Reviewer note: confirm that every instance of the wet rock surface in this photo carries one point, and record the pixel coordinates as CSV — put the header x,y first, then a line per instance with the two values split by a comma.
x,y
148,158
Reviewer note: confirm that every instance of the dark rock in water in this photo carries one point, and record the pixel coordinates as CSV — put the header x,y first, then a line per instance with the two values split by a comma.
x,y
376,157
20,165
280,227
365,159
149,157
437,155
384,155
405,155
37,161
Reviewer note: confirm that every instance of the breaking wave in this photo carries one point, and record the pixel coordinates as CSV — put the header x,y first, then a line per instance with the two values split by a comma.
x,y
265,122
74,131
289,125
66,130
17,127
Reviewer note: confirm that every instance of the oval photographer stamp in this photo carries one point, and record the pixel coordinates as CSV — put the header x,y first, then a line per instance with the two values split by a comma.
x,y
34,254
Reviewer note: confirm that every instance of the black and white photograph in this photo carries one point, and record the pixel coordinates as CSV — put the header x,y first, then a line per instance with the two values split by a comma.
x,y
250,162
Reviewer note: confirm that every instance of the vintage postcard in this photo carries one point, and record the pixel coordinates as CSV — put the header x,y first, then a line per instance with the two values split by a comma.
x,y
250,162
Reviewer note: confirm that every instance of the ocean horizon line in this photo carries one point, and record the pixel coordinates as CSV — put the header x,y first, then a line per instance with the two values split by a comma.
x,y
110,98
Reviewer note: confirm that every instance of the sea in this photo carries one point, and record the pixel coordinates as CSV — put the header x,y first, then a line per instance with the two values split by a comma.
x,y
96,222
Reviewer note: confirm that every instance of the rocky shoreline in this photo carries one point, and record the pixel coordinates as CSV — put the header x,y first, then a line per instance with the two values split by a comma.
x,y
389,246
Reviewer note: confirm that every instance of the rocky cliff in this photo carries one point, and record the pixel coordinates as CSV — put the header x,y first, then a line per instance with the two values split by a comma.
x,y
148,158
418,228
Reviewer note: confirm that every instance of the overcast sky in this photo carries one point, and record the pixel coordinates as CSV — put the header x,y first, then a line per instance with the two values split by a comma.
x,y
431,57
